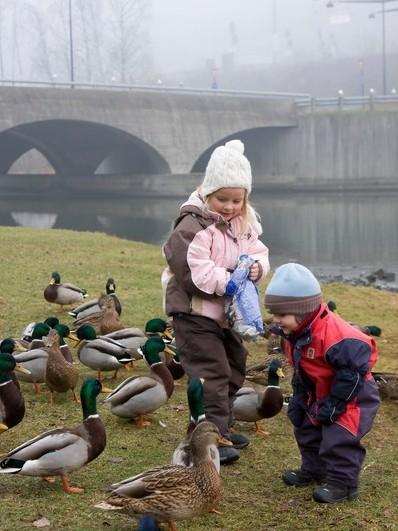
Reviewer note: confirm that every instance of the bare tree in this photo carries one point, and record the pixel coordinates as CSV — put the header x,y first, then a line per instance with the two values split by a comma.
x,y
128,38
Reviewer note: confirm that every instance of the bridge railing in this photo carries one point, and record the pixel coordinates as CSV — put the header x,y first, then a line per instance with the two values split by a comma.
x,y
347,102
303,101
155,88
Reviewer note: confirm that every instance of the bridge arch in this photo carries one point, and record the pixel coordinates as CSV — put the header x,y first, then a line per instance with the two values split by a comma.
x,y
80,148
259,143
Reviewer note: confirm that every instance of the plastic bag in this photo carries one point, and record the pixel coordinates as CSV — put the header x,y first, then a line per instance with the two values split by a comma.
x,y
242,305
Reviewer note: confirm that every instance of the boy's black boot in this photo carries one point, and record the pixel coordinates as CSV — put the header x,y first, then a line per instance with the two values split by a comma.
x,y
300,478
238,440
228,454
331,492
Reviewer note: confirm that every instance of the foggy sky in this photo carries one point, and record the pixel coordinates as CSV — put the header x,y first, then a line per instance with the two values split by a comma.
x,y
183,35
186,33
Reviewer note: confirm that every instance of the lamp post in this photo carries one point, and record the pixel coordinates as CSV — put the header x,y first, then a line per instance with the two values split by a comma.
x,y
72,69
383,12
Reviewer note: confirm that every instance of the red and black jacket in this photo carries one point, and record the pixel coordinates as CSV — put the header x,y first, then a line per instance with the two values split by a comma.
x,y
332,379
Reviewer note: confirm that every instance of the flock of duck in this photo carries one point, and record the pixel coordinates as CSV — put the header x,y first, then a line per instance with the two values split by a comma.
x,y
188,486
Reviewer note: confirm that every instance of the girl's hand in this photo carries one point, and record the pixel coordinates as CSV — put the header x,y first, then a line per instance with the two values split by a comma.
x,y
254,272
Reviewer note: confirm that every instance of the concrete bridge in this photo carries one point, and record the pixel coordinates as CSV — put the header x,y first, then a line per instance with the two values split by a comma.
x,y
129,141
82,132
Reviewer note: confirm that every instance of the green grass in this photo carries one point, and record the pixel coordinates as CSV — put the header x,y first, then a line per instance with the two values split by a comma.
x,y
255,497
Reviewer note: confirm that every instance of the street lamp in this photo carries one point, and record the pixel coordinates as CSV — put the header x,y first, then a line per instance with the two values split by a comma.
x,y
383,12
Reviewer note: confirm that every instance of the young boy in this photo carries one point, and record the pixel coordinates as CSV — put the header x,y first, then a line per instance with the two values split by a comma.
x,y
335,398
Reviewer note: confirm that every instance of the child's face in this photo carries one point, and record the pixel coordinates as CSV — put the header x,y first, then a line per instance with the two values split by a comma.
x,y
227,201
287,322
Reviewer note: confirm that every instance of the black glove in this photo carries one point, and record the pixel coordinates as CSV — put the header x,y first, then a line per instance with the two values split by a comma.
x,y
329,410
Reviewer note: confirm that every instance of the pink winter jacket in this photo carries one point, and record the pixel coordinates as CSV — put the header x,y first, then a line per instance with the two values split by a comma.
x,y
201,253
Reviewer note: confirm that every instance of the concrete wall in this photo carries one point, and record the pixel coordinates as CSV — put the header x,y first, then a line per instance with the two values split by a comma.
x,y
334,148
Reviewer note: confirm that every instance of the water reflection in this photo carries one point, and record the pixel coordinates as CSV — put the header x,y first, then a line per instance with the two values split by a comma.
x,y
337,230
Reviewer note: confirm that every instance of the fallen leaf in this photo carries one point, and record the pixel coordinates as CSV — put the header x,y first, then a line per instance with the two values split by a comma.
x,y
179,407
42,522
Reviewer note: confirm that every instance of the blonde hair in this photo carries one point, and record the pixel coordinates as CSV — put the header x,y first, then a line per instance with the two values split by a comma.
x,y
248,214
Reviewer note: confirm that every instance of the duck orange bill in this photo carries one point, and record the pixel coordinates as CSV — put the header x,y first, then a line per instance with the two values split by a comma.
x,y
169,351
280,373
106,390
19,368
73,337
19,348
222,441
3,427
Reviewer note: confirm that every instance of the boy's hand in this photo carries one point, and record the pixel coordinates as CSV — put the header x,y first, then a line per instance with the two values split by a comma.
x,y
254,272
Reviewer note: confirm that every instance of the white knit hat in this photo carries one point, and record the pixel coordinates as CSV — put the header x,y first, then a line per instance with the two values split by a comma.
x,y
227,168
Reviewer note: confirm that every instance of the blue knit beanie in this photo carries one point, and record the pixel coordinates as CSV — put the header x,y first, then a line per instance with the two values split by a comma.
x,y
293,289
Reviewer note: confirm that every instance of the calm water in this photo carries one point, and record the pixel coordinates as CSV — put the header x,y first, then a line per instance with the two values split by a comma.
x,y
331,233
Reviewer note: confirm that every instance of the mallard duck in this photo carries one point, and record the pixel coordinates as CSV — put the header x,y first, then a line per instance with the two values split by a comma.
x,y
101,353
63,294
138,395
182,454
60,374
35,361
252,405
387,382
173,492
63,450
134,338
34,357
105,321
93,306
369,330
12,405
28,331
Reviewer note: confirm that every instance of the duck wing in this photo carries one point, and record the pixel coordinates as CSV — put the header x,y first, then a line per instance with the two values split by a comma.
x,y
47,442
133,386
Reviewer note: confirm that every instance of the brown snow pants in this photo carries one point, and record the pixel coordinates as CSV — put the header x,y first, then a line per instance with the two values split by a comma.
x,y
216,354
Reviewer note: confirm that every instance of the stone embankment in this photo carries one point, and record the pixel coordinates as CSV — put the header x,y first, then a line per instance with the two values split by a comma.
x,y
379,279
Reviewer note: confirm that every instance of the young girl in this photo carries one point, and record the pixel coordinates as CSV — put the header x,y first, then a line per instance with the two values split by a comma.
x,y
216,225
335,397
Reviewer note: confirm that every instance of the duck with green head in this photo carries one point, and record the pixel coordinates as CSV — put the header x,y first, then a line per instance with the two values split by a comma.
x,y
12,405
134,338
173,492
35,358
101,353
139,395
252,405
182,454
63,293
63,450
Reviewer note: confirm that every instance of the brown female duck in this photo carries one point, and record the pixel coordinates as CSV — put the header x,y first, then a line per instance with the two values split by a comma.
x,y
60,374
173,492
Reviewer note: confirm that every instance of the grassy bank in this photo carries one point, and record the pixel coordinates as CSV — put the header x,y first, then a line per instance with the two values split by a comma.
x,y
255,497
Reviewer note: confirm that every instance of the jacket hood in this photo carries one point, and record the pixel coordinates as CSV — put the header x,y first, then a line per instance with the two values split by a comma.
x,y
196,205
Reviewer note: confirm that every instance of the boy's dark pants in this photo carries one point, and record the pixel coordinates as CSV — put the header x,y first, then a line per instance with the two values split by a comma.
x,y
216,354
333,451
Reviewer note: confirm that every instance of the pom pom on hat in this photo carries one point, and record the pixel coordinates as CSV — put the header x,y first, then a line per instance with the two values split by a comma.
x,y
294,290
227,168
